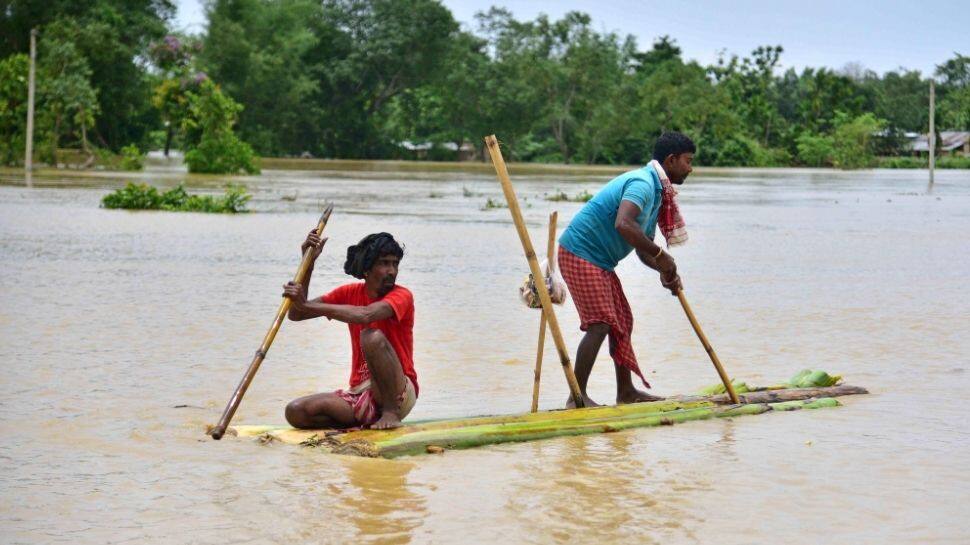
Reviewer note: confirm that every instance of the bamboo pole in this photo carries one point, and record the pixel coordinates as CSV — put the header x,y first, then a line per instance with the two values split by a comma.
x,y
503,176
931,137
29,152
220,429
550,251
707,346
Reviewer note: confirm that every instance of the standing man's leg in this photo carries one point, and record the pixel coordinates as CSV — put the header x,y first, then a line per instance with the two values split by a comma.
x,y
621,349
387,376
586,354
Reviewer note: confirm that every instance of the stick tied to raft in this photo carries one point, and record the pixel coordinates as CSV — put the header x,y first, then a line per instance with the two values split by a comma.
x,y
503,176
220,429
550,253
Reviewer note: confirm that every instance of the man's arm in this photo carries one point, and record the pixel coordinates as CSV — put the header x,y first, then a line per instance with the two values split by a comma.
x,y
632,232
301,309
314,243
650,253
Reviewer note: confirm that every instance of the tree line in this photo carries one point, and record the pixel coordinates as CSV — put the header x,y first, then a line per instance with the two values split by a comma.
x,y
356,78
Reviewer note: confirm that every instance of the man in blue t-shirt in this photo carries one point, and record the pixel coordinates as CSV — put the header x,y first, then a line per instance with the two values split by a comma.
x,y
621,218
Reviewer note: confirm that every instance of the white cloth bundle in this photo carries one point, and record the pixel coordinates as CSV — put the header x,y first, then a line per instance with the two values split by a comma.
x,y
554,283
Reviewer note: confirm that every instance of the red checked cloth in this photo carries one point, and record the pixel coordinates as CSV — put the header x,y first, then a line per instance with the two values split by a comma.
x,y
599,298
670,221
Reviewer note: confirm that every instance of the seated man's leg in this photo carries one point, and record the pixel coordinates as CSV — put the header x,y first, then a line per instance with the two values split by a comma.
x,y
387,376
319,411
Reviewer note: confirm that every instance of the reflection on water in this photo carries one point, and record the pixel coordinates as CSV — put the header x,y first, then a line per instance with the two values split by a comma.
x,y
384,509
124,334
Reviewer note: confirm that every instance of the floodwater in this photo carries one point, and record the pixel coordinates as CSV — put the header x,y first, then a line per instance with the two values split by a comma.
x,y
124,334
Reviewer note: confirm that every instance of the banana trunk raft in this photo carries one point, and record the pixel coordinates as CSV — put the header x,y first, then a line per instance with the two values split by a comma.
x,y
439,435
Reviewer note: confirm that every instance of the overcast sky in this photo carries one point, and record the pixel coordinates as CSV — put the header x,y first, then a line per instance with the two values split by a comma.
x,y
880,36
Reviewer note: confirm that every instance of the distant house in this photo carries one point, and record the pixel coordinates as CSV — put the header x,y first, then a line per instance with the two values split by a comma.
x,y
953,142
421,150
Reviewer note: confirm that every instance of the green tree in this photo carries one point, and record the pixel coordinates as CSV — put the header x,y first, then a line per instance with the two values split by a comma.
x,y
112,37
69,101
257,50
452,108
212,145
174,58
854,140
753,90
902,99
13,108
815,150
954,110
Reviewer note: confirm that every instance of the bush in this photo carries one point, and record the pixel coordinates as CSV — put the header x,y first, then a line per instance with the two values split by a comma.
x,y
737,151
815,150
944,162
854,142
773,157
902,162
224,154
132,158
741,151
213,147
145,197
953,161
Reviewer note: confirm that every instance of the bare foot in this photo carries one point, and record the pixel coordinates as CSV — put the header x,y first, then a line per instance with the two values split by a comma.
x,y
388,421
587,402
635,396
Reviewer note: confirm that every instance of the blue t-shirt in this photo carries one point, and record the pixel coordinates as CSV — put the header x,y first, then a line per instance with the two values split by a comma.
x,y
592,234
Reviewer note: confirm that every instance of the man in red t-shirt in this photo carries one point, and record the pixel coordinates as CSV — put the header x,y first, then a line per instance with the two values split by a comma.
x,y
380,316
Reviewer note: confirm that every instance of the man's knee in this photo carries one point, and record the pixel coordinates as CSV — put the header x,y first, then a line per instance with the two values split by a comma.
x,y
598,329
296,413
372,339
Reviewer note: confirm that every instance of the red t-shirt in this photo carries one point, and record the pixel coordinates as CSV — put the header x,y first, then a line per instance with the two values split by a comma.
x,y
397,329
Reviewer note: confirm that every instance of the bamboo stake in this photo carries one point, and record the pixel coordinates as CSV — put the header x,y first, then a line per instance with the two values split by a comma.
x,y
29,152
550,251
503,175
931,137
707,346
220,429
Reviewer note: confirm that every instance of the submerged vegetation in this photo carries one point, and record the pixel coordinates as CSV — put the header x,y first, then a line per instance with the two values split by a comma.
x,y
561,196
145,197
493,204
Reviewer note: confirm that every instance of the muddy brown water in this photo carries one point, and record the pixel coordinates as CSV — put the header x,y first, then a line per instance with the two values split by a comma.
x,y
110,320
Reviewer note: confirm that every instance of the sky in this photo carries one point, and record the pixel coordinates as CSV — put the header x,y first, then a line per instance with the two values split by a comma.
x,y
879,35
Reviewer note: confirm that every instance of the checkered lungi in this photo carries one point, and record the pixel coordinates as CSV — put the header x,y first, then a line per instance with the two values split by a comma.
x,y
599,298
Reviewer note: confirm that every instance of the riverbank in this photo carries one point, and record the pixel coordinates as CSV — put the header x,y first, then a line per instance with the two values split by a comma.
x,y
171,172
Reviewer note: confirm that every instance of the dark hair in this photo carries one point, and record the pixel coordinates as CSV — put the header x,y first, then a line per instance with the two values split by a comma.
x,y
672,143
361,256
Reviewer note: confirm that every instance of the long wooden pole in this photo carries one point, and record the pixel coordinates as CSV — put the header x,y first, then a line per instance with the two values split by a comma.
x,y
503,176
707,346
932,136
220,429
550,254
29,152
